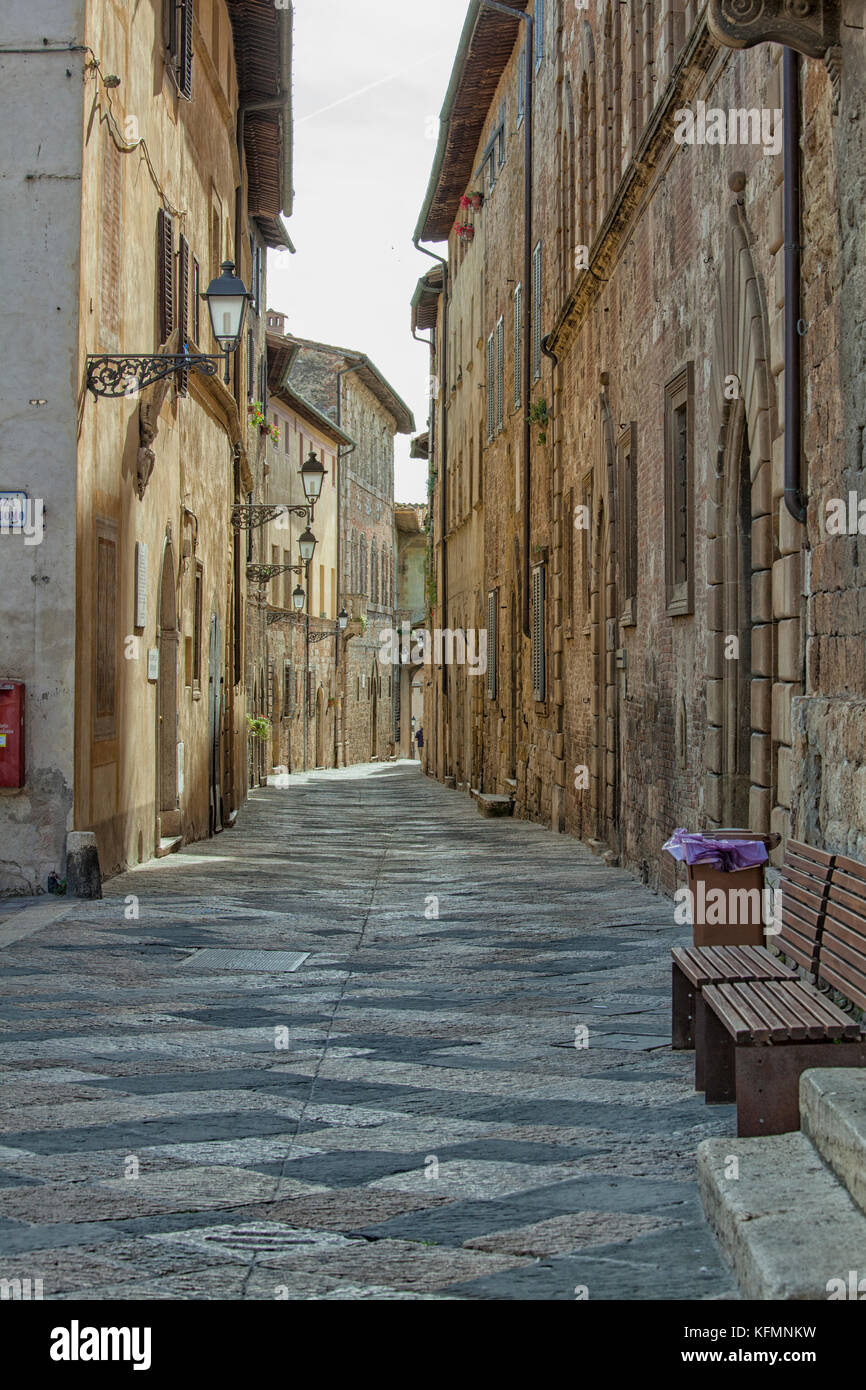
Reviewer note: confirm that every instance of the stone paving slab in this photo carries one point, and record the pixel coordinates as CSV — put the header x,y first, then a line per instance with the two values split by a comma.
x,y
406,1116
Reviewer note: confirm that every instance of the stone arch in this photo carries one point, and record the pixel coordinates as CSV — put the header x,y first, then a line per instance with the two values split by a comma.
x,y
741,769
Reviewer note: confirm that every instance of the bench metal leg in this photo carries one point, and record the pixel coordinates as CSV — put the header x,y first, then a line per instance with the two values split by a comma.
x,y
714,1056
682,1010
768,1081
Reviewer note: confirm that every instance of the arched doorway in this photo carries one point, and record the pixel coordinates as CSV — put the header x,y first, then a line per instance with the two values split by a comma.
x,y
168,822
320,728
374,716
737,625
215,700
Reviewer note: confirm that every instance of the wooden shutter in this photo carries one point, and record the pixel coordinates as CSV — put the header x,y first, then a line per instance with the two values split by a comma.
x,y
184,53
536,312
196,625
491,388
183,268
518,345
539,32
492,641
500,373
165,274
538,655
196,302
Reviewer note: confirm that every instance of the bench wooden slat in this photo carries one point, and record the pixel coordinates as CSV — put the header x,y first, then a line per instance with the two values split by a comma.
x,y
822,857
727,1012
760,1026
791,1023
835,1023
852,867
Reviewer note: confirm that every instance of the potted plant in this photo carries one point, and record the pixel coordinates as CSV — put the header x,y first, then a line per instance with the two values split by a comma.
x,y
465,231
477,200
259,727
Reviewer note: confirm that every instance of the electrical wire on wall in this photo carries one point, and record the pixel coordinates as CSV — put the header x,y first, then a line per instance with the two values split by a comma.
x,y
108,118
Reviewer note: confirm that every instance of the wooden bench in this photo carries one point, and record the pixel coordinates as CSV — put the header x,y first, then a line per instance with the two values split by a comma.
x,y
757,1037
805,885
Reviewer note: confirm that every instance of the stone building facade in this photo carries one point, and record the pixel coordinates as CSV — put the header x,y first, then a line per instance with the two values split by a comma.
x,y
410,616
675,621
134,674
300,681
348,388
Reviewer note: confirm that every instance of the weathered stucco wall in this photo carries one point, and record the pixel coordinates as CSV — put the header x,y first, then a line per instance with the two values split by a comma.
x,y
40,166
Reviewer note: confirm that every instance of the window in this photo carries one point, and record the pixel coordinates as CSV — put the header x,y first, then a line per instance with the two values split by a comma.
x,y
518,345
500,372
626,462
679,520
251,364
288,578
257,275
285,436
491,388
500,138
105,632
196,627
536,312
249,533
288,690
165,274
538,618
492,641
196,301
539,33
179,43
521,85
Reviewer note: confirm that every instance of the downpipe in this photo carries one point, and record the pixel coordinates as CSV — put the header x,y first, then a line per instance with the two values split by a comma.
x,y
795,498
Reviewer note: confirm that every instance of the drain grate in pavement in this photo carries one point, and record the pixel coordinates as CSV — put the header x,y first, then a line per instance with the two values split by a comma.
x,y
213,958
256,1238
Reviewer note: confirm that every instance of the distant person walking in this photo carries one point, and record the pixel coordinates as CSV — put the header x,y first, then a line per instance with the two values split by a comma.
x,y
419,738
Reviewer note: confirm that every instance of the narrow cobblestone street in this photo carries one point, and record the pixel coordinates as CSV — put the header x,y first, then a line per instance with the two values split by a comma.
x,y
424,1126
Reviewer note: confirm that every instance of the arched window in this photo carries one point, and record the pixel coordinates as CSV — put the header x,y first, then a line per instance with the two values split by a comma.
x,y
587,147
374,572
567,194
362,586
353,563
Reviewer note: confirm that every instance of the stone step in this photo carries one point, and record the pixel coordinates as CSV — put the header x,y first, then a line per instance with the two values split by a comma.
x,y
833,1115
786,1225
169,844
491,804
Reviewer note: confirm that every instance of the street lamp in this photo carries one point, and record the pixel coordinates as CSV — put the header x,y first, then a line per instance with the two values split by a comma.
x,y
306,545
313,475
298,598
343,619
227,298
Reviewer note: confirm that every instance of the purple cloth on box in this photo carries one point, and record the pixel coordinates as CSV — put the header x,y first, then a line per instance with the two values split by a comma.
x,y
727,855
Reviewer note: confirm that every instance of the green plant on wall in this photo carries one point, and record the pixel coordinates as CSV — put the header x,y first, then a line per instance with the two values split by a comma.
x,y
539,415
258,727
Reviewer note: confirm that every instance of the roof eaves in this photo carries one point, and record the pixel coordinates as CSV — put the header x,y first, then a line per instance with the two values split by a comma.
x,y
478,25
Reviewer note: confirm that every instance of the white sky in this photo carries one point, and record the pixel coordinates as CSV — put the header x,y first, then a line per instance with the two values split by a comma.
x,y
368,78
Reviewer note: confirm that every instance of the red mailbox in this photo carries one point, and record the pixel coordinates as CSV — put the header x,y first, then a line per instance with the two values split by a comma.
x,y
11,733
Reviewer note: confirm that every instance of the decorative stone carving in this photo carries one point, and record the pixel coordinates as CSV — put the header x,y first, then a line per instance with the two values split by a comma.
x,y
809,26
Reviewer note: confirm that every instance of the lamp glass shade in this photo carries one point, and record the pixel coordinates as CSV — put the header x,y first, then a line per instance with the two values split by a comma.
x,y
298,598
227,299
312,477
343,619
306,545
